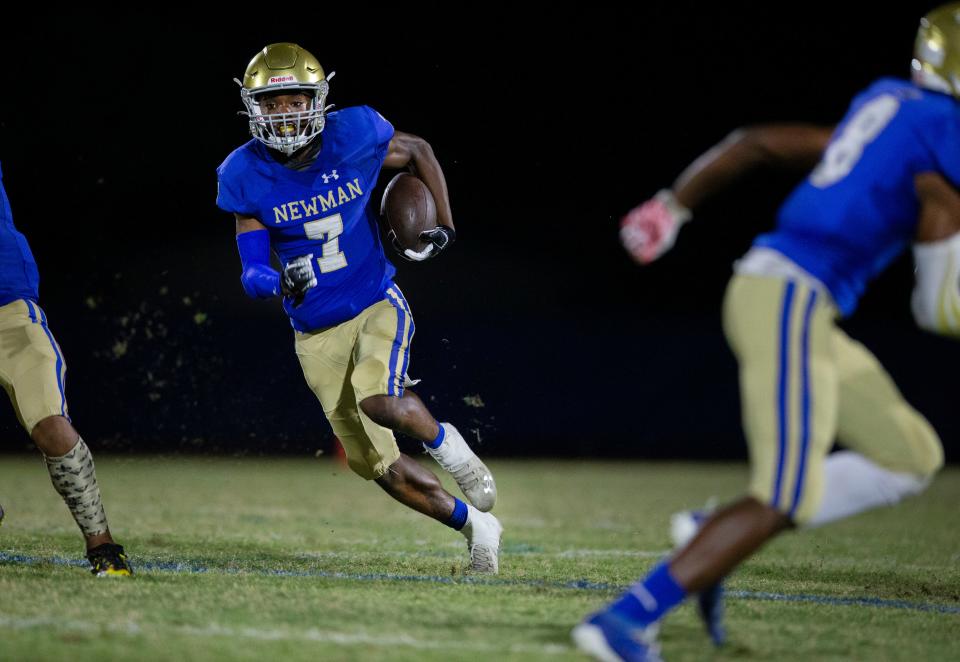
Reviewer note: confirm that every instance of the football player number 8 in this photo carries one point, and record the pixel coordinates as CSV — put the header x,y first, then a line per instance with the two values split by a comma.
x,y
328,229
847,148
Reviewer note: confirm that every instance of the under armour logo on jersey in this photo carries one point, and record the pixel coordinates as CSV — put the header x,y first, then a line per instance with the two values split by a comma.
x,y
332,175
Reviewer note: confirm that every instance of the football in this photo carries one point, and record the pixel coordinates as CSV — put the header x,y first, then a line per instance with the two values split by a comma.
x,y
407,210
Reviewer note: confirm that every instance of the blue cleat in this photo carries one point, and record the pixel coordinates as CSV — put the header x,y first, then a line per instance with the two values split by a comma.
x,y
710,607
608,637
683,527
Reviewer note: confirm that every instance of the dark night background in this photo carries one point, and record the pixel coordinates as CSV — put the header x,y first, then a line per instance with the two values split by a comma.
x,y
549,125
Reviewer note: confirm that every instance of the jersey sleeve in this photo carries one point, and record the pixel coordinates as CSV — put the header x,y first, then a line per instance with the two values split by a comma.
x,y
382,129
230,190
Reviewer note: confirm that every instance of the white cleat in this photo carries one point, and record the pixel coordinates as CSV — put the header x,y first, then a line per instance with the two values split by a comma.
x,y
609,638
590,640
683,527
483,532
472,476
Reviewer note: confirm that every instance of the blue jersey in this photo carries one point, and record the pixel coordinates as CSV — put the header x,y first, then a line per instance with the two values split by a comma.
x,y
858,210
19,278
324,210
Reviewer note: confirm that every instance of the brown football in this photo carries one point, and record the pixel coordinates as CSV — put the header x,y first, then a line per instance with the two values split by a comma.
x,y
408,209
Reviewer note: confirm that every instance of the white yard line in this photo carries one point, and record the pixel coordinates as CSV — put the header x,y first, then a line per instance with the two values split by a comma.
x,y
564,554
615,553
314,635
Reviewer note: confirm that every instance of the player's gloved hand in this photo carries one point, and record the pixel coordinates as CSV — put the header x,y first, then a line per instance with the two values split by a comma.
x,y
650,230
439,237
298,277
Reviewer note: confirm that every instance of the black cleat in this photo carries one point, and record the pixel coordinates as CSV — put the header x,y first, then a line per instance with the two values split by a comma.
x,y
109,560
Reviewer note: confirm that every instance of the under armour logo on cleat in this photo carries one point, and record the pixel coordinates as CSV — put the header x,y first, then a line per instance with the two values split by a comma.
x,y
332,175
487,479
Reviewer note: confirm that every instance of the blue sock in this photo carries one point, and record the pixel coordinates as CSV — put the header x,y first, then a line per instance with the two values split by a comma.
x,y
647,601
459,516
435,444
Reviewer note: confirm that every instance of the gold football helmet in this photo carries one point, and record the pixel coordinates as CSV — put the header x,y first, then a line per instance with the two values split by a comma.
x,y
936,54
278,69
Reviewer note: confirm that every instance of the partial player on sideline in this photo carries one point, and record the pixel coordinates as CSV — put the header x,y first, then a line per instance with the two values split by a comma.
x,y
33,372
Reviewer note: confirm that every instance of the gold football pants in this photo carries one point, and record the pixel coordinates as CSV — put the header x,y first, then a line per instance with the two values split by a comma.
x,y
32,369
359,358
804,384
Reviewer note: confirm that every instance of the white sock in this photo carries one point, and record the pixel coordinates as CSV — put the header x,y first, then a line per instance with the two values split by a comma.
x,y
854,484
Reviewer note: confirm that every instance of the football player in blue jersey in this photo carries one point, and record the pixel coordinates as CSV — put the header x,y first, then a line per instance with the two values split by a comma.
x,y
302,188
32,372
882,179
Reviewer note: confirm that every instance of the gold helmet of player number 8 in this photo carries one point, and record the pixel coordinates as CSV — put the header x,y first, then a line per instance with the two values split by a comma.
x,y
936,54
285,68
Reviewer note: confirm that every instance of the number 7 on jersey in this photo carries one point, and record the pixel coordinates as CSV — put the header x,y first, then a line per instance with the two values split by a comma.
x,y
328,229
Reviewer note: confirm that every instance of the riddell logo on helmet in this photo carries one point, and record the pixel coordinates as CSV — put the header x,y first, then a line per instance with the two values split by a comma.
x,y
283,79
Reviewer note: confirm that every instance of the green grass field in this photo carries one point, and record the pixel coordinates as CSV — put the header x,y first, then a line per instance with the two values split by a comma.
x,y
253,559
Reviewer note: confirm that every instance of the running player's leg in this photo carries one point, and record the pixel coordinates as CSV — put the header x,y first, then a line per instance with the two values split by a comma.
x,y
71,469
781,334
382,354
33,371
327,359
415,486
408,415
380,359
780,331
892,451
371,449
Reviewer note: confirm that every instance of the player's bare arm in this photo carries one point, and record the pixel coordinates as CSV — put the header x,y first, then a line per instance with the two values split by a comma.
x,y
650,230
936,294
939,207
787,146
408,150
248,224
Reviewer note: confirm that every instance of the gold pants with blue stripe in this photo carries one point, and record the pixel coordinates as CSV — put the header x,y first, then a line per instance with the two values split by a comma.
x,y
349,362
32,369
805,384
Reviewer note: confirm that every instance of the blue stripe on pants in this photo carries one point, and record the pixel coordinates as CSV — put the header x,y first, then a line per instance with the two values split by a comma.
x,y
783,389
395,387
805,396
56,350
413,329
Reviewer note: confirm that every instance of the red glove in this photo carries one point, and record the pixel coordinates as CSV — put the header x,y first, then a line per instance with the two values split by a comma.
x,y
650,230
